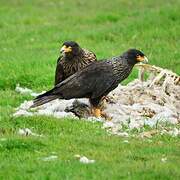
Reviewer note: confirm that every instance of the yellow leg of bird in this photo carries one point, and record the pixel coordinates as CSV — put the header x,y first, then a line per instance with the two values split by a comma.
x,y
96,112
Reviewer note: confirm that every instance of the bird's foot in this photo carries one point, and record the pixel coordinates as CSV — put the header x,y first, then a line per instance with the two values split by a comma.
x,y
106,116
98,113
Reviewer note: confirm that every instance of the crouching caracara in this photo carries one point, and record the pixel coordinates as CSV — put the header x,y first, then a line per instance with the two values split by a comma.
x,y
94,81
73,58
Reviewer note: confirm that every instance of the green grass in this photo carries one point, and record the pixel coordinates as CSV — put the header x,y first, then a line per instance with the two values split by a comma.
x,y
31,33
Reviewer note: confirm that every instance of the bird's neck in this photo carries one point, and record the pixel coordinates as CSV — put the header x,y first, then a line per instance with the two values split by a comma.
x,y
125,60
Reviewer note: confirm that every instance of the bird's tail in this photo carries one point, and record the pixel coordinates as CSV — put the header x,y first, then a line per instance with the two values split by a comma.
x,y
44,98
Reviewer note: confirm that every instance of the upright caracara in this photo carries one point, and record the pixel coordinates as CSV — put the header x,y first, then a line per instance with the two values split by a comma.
x,y
73,58
94,81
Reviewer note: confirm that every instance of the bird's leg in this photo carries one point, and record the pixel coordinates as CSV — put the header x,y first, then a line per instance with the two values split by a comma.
x,y
97,106
96,112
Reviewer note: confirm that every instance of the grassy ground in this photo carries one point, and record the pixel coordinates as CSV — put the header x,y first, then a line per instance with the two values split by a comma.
x,y
31,33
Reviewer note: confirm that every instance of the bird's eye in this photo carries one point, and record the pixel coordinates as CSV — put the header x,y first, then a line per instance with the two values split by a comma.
x,y
140,58
137,56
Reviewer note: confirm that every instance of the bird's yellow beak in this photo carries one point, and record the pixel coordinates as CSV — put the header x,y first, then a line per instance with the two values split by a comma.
x,y
66,49
143,59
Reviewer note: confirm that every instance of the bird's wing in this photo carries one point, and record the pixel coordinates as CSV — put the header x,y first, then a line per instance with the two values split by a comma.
x,y
92,80
89,56
59,73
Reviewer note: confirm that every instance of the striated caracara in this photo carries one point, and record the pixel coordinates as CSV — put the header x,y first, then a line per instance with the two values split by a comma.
x,y
73,58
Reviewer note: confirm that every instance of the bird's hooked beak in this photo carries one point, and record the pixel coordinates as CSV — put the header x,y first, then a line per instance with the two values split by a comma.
x,y
65,49
143,59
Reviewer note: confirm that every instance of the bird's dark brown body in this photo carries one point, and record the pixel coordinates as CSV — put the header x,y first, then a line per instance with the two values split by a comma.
x,y
94,81
72,61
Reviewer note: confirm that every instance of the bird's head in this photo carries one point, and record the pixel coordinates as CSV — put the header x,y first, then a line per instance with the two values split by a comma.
x,y
70,49
135,56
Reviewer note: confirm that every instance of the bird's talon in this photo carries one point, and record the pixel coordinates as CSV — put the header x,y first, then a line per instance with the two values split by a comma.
x,y
96,112
100,114
107,117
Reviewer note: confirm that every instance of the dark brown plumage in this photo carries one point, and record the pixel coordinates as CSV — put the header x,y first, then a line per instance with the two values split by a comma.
x,y
73,59
94,81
